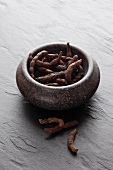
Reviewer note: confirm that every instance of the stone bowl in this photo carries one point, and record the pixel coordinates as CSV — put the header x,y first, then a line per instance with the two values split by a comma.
x,y
60,97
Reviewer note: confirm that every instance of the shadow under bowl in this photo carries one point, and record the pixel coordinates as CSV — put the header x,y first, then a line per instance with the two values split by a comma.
x,y
60,97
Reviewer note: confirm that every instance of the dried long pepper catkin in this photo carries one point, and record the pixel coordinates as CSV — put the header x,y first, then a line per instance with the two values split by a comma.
x,y
33,61
70,142
70,69
69,53
50,77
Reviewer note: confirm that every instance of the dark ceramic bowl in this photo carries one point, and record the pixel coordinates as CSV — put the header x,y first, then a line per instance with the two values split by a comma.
x,y
62,97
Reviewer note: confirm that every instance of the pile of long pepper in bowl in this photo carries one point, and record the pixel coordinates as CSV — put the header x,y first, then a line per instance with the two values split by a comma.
x,y
55,69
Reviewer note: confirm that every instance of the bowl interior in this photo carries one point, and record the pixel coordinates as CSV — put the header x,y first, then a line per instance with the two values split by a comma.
x,y
56,48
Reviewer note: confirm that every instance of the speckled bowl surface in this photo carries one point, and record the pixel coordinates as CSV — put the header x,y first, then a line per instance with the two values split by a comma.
x,y
61,97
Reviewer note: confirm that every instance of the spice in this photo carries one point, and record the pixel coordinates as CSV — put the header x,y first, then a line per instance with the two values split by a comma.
x,y
73,59
79,75
57,129
69,54
61,124
70,142
56,60
55,69
32,63
70,69
51,76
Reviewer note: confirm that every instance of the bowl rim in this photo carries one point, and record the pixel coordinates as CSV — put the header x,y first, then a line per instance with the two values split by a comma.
x,y
86,77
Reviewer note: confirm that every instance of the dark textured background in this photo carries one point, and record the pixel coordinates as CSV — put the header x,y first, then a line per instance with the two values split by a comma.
x,y
25,24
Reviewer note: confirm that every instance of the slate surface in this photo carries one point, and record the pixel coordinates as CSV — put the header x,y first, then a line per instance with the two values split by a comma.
x,y
23,143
